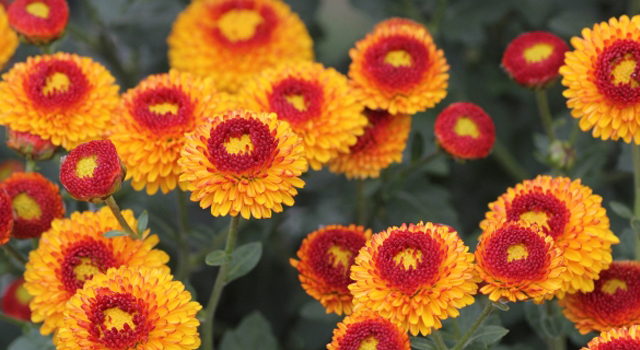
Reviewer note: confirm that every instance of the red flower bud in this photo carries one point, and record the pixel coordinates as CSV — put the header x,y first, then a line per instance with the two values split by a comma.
x,y
30,145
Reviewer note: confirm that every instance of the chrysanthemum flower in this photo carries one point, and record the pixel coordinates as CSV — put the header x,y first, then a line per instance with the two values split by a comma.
x,y
326,256
152,121
15,301
572,215
601,76
30,145
614,302
92,171
8,38
6,216
63,98
519,262
367,330
465,131
616,339
131,308
398,68
39,22
415,276
232,40
9,167
243,163
317,103
73,252
383,141
534,58
36,202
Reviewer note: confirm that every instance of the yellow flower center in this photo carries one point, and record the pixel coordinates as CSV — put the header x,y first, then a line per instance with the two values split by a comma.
x,y
26,207
536,217
409,258
164,107
116,318
56,82
236,145
339,255
398,58
38,9
22,295
537,52
466,127
297,101
239,24
623,70
612,285
86,269
517,252
370,343
86,166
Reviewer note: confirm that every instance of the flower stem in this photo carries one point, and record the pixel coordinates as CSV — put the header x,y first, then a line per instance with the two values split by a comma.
x,y
558,342
218,286
20,323
545,113
508,162
361,204
418,163
11,251
30,166
474,327
438,16
636,208
183,254
437,338
111,203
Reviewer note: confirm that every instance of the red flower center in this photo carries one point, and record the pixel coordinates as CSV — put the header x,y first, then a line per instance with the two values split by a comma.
x,y
370,334
296,100
397,62
242,23
626,343
163,109
408,261
241,146
118,320
83,260
545,210
617,72
56,83
378,122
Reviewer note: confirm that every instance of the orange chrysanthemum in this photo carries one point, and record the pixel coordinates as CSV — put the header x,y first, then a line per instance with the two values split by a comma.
x,y
326,256
519,262
383,141
572,215
616,339
465,131
602,79
63,97
233,40
31,146
9,167
243,163
131,308
15,301
317,103
6,216
367,330
36,202
614,302
398,68
75,251
152,121
8,39
39,22
415,276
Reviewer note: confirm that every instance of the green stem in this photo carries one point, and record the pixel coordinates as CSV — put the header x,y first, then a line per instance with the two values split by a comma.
x,y
183,254
47,49
508,162
30,165
111,203
559,342
438,16
361,204
456,328
545,113
636,208
221,281
437,338
419,163
462,342
11,251
20,323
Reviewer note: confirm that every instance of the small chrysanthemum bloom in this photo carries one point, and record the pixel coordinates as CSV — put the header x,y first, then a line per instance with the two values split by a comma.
x,y
36,202
572,215
131,308
74,251
9,167
15,301
614,302
233,40
30,145
465,131
366,330
326,256
398,68
243,163
152,121
383,141
315,101
534,58
8,38
519,262
92,171
603,81
39,22
64,98
7,216
415,276
616,339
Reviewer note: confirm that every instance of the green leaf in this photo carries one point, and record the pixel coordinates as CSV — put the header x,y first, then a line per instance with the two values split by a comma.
x,y
487,335
621,210
32,341
253,333
217,258
244,260
419,343
143,221
114,233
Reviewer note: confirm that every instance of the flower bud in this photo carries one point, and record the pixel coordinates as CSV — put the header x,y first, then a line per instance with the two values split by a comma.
x,y
39,22
30,145
15,301
562,155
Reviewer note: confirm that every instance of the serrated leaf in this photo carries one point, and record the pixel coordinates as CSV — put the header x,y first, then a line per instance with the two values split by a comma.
x,y
419,343
32,340
253,333
244,259
143,221
621,210
488,335
217,258
114,233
